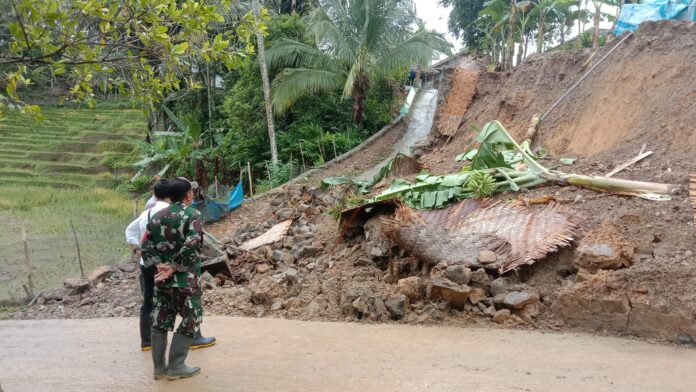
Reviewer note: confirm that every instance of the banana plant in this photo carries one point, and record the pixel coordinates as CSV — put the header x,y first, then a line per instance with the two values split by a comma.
x,y
176,150
494,174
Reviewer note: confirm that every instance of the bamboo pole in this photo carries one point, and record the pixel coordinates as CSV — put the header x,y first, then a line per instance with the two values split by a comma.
x,y
251,183
77,245
304,165
333,141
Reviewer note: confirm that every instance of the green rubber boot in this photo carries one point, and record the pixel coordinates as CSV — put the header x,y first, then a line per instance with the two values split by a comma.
x,y
159,349
178,352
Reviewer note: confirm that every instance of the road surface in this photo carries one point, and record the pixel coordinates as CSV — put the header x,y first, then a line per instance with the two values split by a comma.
x,y
281,355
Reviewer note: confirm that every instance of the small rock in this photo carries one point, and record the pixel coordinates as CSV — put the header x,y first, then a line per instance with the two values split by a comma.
x,y
458,274
388,278
443,288
309,250
41,301
487,257
284,214
262,268
277,256
520,299
476,294
397,306
100,285
76,285
502,316
583,275
481,277
288,259
277,304
489,311
411,287
684,339
100,273
530,311
503,285
381,309
207,276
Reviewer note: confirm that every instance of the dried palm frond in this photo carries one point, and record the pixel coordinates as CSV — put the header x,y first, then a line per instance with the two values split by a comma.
x,y
519,236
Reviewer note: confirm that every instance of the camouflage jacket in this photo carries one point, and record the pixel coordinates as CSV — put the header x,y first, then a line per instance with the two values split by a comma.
x,y
174,236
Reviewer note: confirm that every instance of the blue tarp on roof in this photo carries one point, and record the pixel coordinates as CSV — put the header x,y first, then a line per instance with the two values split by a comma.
x,y
632,15
213,210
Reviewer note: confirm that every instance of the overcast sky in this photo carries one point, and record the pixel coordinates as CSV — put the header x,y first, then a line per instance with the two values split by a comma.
x,y
435,18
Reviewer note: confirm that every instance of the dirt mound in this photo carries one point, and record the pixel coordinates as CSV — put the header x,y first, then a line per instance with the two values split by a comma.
x,y
640,94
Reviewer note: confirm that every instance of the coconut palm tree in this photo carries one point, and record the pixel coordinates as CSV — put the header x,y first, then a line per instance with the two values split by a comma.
x,y
356,41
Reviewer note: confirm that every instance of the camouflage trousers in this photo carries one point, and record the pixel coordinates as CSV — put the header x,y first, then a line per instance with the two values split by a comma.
x,y
172,301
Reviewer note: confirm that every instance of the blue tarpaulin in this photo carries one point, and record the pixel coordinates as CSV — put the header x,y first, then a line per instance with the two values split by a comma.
x,y
213,210
633,15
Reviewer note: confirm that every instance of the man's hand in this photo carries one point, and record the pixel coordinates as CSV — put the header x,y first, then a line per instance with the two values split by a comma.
x,y
164,272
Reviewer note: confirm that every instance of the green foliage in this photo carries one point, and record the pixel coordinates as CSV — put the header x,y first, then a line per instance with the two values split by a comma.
x,y
277,175
462,22
355,43
141,49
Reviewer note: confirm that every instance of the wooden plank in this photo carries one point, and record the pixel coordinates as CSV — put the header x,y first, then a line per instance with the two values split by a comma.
x,y
274,234
623,166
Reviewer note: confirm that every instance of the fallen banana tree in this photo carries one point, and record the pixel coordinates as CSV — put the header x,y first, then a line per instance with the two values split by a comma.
x,y
491,171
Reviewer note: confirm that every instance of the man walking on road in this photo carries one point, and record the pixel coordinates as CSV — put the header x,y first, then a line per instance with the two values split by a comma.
x,y
134,236
172,244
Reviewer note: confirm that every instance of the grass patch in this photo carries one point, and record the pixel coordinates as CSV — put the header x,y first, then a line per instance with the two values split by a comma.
x,y
99,215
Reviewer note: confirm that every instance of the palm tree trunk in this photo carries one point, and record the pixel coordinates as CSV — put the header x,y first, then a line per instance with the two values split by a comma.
x,y
359,91
597,17
511,34
542,31
266,88
526,44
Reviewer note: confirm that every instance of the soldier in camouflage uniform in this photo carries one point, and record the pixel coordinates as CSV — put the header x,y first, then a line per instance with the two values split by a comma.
x,y
172,243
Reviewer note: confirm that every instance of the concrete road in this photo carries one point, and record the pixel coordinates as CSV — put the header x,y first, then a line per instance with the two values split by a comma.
x,y
280,355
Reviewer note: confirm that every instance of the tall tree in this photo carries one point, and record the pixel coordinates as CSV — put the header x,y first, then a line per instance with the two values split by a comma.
x,y
261,50
462,22
142,48
356,41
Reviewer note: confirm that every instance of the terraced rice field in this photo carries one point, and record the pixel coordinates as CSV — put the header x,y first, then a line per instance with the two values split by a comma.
x,y
55,172
64,151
